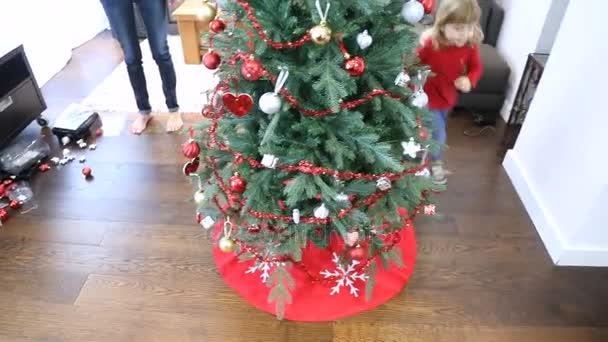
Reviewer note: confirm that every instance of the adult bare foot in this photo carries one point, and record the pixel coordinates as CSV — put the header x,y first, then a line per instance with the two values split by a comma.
x,y
175,122
140,124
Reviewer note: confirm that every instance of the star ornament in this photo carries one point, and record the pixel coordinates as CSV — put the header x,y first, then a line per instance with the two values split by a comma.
x,y
411,148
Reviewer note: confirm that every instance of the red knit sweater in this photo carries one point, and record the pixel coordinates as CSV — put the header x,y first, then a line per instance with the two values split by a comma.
x,y
448,64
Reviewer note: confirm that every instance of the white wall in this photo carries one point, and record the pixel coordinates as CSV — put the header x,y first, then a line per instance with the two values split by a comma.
x,y
553,21
49,30
559,165
521,29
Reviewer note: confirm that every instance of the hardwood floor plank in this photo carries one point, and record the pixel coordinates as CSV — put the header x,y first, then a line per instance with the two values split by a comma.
x,y
345,332
54,230
46,285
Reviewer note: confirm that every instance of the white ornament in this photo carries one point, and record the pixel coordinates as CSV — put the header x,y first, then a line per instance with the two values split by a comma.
x,y
412,11
82,145
322,212
419,99
295,214
65,140
410,148
383,183
424,173
429,209
402,79
270,103
92,147
264,267
270,161
55,160
351,238
364,40
346,277
341,197
66,152
207,222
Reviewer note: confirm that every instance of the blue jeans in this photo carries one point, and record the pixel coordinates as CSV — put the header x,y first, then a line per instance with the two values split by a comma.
x,y
440,118
154,13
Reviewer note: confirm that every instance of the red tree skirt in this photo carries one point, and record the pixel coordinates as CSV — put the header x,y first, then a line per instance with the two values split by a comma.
x,y
313,301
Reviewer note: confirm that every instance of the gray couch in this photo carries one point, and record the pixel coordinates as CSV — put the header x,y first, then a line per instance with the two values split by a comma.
x,y
486,100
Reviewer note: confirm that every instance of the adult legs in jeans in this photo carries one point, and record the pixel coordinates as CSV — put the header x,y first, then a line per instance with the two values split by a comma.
x,y
121,15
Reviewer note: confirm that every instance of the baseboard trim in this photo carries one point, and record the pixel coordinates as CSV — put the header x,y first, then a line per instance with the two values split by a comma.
x,y
544,224
560,252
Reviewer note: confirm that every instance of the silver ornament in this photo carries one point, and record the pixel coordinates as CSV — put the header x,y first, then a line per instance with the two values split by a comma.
x,y
419,99
412,11
364,40
270,103
383,184
296,216
207,222
402,79
321,212
65,140
270,161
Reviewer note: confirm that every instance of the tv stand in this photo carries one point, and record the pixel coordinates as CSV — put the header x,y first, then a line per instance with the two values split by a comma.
x,y
21,101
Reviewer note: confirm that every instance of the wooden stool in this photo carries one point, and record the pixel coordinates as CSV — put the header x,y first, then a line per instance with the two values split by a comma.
x,y
190,29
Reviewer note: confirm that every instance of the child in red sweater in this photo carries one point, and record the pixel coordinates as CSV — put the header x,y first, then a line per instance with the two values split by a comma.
x,y
450,48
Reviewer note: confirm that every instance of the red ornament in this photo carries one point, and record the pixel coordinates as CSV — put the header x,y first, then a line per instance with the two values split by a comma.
x,y
7,182
190,167
424,134
238,105
254,229
3,215
199,218
207,112
357,253
252,70
402,212
355,66
2,191
217,25
429,6
281,204
238,183
87,172
14,204
99,132
430,209
44,167
191,149
212,60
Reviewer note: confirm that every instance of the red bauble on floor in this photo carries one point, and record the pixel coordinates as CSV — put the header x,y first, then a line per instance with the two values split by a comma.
x,y
313,301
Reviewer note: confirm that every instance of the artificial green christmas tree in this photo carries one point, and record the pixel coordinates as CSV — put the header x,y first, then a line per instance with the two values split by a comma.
x,y
316,139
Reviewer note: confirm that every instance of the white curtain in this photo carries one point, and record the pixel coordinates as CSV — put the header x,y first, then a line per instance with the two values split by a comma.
x,y
49,30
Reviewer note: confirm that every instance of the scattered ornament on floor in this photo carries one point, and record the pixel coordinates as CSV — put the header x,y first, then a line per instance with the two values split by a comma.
x,y
238,105
364,40
83,145
55,160
207,222
295,215
63,161
411,148
351,238
238,184
212,60
412,11
98,132
44,167
402,79
92,147
270,161
3,215
270,103
252,69
430,209
82,159
71,158
383,183
206,12
321,34
199,197
217,25
87,172
7,182
66,152
321,212
15,204
65,140
80,141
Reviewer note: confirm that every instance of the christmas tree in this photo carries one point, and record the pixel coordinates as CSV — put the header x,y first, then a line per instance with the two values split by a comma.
x,y
317,132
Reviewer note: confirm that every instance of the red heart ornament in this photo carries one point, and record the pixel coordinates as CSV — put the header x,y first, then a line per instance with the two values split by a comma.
x,y
191,167
238,105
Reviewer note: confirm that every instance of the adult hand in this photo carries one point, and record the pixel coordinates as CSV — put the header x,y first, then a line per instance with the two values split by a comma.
x,y
463,84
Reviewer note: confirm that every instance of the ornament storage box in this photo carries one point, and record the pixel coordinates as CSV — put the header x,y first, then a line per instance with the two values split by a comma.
x,y
76,123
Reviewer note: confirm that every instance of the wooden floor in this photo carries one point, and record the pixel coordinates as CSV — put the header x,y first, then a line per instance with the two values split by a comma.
x,y
120,259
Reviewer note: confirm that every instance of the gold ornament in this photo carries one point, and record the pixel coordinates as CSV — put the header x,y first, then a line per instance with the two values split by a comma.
x,y
321,34
199,197
206,12
226,244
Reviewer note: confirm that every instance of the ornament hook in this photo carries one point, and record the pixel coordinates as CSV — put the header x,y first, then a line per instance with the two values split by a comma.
x,y
227,227
322,14
281,79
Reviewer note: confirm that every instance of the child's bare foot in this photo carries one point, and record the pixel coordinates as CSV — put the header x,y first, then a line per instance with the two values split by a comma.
x,y
174,123
139,125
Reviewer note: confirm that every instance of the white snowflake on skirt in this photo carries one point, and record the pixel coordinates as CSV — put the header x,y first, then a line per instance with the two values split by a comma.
x,y
264,267
346,277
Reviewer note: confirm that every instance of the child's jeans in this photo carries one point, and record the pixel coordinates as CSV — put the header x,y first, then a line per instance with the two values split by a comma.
x,y
440,118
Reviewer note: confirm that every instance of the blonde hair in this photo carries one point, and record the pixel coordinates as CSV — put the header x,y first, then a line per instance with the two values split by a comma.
x,y
457,12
